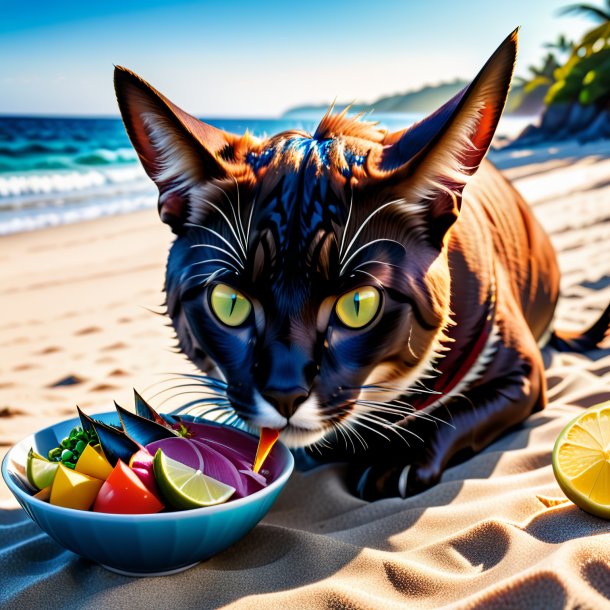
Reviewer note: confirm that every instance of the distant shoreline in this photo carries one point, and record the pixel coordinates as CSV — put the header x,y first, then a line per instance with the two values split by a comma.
x,y
56,171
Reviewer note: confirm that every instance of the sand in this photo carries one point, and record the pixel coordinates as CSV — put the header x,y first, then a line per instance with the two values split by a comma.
x,y
497,531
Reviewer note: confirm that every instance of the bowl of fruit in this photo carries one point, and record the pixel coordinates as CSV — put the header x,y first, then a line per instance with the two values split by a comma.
x,y
143,493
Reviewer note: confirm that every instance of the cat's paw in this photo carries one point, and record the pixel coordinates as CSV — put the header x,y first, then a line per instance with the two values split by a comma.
x,y
376,481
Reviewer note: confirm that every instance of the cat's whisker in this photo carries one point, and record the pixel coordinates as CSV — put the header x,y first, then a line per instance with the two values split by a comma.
x,y
349,427
210,276
410,411
366,221
212,247
204,379
370,243
216,260
236,216
384,388
181,376
204,390
337,430
204,398
223,239
370,275
391,425
379,421
250,221
213,205
349,215
371,262
401,412
358,419
346,433
240,224
191,406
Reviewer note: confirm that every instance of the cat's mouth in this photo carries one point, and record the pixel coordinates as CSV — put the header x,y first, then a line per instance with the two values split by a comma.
x,y
304,427
294,436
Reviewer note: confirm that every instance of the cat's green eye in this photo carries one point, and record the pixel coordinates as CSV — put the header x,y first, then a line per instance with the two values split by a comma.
x,y
230,306
358,307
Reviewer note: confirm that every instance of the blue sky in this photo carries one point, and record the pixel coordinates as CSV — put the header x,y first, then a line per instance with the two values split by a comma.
x,y
239,58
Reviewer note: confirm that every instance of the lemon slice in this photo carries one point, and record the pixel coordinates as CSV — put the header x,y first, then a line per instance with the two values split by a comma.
x,y
184,487
581,460
40,472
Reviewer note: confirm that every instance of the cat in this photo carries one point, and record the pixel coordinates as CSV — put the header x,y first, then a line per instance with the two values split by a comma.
x,y
378,297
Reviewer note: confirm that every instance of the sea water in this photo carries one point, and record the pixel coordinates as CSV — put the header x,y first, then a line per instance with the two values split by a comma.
x,y
62,170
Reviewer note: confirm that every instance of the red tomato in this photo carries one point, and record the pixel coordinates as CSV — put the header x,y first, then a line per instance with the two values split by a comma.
x,y
123,492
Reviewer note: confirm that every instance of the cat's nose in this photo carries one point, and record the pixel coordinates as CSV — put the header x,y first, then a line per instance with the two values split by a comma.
x,y
286,400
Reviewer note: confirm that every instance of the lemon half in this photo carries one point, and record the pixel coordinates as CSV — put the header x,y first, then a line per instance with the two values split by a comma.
x,y
581,460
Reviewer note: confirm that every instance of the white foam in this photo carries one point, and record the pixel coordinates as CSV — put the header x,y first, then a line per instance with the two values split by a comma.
x,y
64,182
18,221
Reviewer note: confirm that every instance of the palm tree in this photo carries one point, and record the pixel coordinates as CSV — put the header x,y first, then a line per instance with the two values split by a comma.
x,y
595,13
562,44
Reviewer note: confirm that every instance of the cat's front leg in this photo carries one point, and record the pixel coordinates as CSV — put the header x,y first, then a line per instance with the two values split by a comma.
x,y
474,419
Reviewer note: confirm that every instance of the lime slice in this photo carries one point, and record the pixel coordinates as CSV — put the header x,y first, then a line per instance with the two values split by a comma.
x,y
184,487
581,460
40,472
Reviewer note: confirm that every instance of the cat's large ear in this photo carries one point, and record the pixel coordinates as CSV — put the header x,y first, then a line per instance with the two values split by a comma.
x,y
432,160
177,150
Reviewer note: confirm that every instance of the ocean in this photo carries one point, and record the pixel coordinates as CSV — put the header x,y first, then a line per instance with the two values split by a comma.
x,y
63,170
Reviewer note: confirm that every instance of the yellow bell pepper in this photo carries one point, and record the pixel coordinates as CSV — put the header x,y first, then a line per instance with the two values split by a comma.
x,y
73,489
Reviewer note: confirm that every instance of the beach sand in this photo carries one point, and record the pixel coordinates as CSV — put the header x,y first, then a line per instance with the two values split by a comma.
x,y
75,329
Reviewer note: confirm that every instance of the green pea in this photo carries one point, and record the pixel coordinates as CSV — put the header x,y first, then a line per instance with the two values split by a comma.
x,y
66,455
69,465
80,447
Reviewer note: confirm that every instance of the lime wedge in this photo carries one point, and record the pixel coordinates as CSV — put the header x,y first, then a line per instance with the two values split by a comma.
x,y
184,487
581,460
40,472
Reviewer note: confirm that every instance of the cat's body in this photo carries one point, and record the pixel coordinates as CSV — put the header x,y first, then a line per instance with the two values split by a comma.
x,y
358,290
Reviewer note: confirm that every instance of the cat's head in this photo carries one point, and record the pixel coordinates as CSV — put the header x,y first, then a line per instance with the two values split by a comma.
x,y
310,272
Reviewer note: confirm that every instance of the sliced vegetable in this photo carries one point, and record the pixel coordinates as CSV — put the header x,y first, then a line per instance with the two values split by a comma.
x,y
116,445
124,493
74,489
184,487
230,468
93,463
143,409
266,441
142,464
142,430
44,494
40,472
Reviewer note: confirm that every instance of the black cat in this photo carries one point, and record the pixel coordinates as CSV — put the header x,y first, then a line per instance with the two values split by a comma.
x,y
346,288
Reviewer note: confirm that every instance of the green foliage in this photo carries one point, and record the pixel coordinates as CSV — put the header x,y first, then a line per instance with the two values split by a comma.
x,y
585,77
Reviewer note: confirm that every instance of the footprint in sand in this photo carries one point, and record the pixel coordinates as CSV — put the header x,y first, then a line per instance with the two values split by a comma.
x,y
48,350
25,367
105,360
66,381
118,373
103,387
5,386
89,330
113,346
10,412
124,320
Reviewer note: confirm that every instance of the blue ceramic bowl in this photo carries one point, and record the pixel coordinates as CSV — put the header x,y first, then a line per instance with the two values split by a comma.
x,y
142,545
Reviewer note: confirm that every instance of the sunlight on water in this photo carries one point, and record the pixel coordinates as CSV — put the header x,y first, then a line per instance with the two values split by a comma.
x,y
61,170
